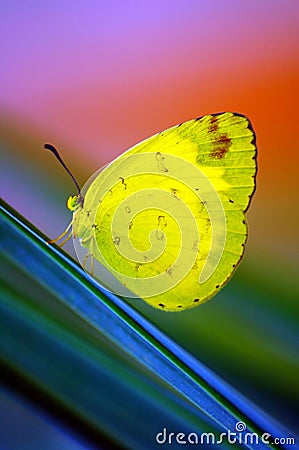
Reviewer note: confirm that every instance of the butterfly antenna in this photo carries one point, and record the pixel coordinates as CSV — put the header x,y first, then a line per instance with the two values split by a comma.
x,y
55,152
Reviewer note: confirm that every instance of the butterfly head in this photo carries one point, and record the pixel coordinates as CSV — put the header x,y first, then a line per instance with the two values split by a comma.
x,y
74,202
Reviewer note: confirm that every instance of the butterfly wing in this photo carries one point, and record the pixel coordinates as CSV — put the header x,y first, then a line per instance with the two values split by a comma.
x,y
169,212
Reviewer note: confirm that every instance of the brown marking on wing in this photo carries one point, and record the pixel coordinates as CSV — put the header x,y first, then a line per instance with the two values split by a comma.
x,y
213,125
220,146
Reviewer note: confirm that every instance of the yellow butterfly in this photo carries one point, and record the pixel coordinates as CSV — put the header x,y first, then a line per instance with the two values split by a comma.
x,y
165,221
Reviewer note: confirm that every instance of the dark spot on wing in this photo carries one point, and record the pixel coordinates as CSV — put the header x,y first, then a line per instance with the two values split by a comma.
x,y
196,300
195,245
161,305
169,271
116,240
213,124
159,235
160,161
220,146
123,182
162,222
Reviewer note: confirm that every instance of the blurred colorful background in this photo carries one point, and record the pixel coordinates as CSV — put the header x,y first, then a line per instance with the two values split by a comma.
x,y
96,77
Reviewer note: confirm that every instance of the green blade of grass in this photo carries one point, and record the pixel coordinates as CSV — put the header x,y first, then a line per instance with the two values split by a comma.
x,y
116,321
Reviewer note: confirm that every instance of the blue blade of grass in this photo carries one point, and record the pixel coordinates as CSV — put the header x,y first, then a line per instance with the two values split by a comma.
x,y
25,246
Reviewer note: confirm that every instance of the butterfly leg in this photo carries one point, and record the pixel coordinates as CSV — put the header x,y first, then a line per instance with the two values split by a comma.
x,y
89,253
91,256
91,271
53,241
85,261
91,265
66,240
